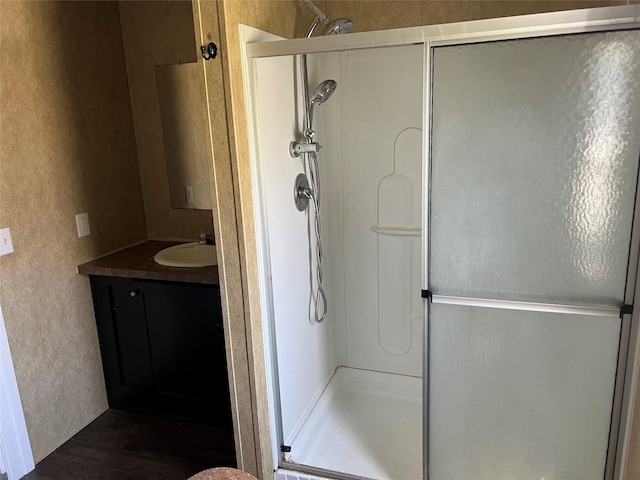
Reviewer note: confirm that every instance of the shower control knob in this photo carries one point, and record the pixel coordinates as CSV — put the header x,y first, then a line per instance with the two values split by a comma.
x,y
301,192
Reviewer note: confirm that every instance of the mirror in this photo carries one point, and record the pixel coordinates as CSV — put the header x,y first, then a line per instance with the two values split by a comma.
x,y
181,98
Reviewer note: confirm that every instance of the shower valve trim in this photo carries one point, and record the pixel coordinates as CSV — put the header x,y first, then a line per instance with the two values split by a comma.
x,y
297,148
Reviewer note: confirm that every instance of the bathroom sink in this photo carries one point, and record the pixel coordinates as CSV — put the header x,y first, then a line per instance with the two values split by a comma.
x,y
192,254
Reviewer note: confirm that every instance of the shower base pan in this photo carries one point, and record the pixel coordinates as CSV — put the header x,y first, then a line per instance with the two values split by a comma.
x,y
366,424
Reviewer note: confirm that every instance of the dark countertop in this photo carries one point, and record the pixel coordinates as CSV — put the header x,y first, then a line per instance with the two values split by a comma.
x,y
137,262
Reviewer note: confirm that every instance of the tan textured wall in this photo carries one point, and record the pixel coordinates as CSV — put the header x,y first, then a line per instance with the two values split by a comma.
x,y
224,217
279,17
371,15
66,147
291,19
158,33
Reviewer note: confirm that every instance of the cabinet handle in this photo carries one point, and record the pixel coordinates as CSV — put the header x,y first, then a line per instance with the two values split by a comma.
x,y
134,293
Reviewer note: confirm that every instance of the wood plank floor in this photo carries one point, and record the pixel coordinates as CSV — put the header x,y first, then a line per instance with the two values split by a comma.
x,y
129,446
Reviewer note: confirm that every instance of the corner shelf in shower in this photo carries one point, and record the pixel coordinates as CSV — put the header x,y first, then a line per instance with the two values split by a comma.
x,y
398,231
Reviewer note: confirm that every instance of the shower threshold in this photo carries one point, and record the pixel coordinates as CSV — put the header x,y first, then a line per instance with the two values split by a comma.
x,y
366,424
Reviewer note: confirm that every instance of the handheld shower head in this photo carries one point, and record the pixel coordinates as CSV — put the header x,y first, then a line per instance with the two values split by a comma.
x,y
320,95
322,92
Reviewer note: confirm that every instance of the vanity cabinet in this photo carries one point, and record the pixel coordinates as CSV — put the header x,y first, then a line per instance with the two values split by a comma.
x,y
162,346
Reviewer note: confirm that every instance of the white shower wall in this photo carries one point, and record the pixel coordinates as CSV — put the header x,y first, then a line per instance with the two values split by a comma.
x,y
382,159
306,352
372,281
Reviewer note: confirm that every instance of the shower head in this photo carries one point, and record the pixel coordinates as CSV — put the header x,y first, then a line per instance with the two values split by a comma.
x,y
317,11
321,16
320,95
322,92
338,26
334,27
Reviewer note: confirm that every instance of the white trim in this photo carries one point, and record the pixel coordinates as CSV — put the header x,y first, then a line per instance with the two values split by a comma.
x,y
247,35
14,440
570,21
282,474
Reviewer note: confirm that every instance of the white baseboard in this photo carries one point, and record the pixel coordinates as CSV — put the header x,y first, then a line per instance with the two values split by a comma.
x,y
281,474
15,448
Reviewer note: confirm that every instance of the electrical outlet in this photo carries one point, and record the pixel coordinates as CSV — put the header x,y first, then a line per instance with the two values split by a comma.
x,y
188,193
6,245
82,223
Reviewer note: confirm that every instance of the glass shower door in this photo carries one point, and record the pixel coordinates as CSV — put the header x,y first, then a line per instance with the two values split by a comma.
x,y
533,176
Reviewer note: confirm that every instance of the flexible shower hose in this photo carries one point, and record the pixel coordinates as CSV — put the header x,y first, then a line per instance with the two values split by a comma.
x,y
319,297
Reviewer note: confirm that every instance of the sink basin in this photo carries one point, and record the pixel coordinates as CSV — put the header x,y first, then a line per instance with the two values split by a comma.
x,y
191,255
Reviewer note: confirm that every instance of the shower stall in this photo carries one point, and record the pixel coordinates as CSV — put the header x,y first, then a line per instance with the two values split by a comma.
x,y
479,247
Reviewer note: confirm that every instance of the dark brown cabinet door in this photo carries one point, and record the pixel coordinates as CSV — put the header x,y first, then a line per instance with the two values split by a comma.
x,y
162,346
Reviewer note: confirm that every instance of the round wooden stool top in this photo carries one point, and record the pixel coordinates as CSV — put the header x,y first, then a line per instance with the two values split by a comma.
x,y
222,473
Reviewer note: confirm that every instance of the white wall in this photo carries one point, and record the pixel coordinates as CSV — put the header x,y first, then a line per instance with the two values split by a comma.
x,y
305,351
327,123
16,458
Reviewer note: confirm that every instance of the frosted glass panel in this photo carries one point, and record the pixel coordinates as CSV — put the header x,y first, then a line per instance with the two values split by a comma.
x,y
534,167
518,395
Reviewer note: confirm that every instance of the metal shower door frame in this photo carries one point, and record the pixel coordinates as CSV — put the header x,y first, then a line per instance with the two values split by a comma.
x,y
629,347
526,26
